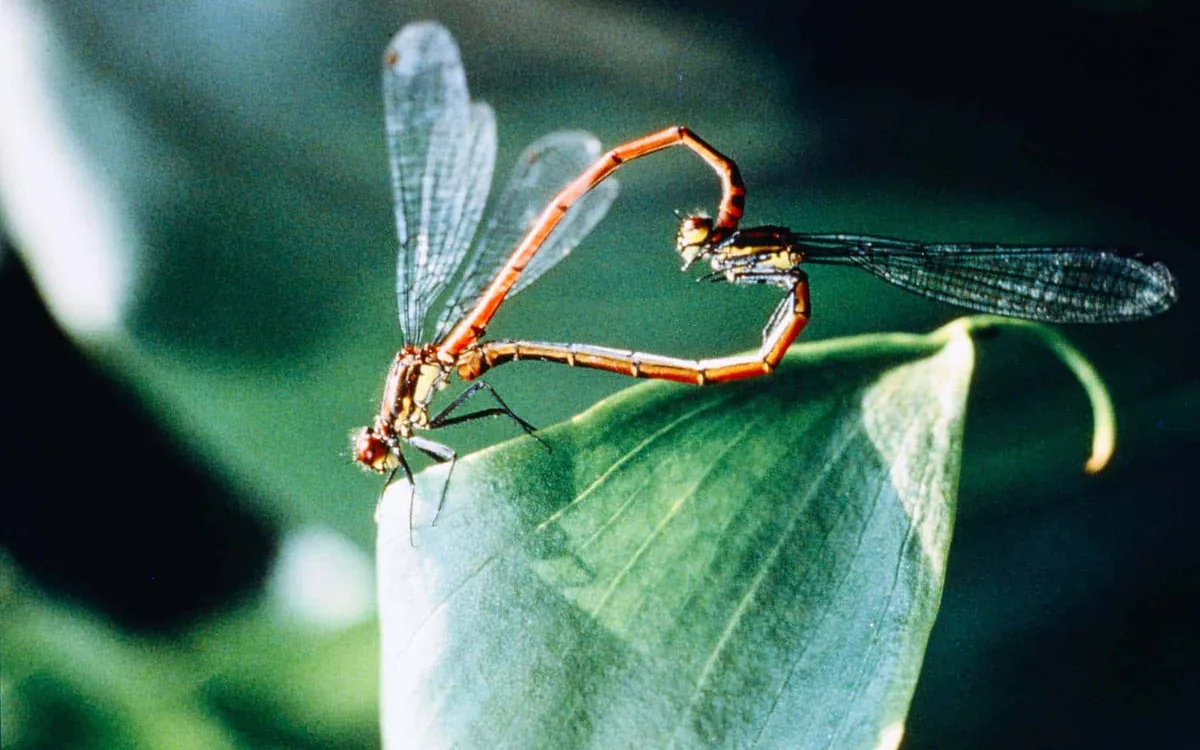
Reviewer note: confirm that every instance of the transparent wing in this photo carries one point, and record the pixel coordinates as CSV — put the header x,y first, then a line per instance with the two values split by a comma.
x,y
545,168
1052,284
442,151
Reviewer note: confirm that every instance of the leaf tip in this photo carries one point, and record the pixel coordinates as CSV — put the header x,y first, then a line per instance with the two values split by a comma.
x,y
889,738
1103,444
1104,423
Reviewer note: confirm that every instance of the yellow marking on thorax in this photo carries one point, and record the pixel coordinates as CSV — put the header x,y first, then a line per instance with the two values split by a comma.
x,y
430,379
782,258
741,251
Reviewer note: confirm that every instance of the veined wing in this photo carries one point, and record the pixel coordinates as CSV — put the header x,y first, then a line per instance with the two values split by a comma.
x,y
545,168
442,150
1052,284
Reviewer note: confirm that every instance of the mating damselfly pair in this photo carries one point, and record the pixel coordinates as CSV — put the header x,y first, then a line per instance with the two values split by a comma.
x,y
453,276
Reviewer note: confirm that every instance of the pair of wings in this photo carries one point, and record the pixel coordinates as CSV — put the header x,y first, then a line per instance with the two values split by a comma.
x,y
442,151
1054,284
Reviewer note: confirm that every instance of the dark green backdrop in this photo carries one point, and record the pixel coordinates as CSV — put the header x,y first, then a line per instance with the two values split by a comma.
x,y
150,475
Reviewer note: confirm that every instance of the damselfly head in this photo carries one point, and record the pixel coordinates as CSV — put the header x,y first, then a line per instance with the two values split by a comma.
x,y
692,240
373,451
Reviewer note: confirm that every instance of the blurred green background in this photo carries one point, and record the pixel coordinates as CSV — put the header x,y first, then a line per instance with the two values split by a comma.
x,y
197,275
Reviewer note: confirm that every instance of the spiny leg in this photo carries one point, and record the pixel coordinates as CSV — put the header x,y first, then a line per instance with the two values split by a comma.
x,y
412,490
443,418
379,503
444,453
441,454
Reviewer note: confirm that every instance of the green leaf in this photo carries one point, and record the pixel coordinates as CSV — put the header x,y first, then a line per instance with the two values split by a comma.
x,y
751,564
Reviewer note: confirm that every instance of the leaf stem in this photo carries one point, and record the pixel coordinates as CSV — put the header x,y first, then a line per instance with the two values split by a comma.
x,y
1104,420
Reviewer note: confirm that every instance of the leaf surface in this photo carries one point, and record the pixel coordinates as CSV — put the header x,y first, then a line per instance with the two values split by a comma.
x,y
751,565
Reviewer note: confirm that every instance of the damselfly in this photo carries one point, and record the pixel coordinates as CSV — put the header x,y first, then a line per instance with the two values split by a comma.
x,y
1053,284
442,150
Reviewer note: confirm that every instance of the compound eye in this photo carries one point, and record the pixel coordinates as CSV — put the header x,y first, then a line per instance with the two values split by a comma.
x,y
371,451
694,230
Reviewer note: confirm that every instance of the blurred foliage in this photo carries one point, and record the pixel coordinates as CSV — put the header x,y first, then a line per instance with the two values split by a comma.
x,y
236,219
244,679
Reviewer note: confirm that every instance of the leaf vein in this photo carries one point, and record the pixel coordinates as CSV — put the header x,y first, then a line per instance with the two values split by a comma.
x,y
826,613
641,446
751,591
666,520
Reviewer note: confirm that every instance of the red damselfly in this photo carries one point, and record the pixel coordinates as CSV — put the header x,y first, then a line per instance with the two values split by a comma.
x,y
442,150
